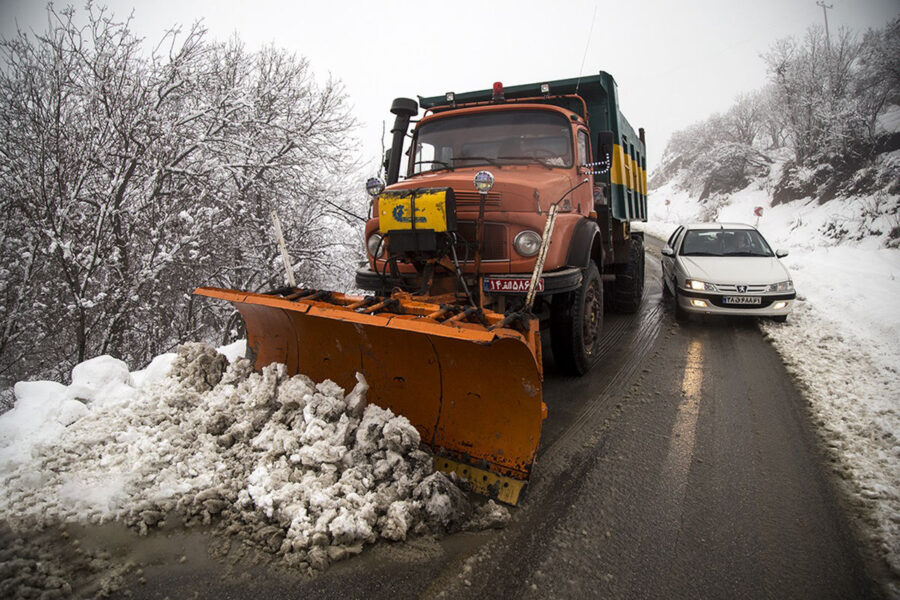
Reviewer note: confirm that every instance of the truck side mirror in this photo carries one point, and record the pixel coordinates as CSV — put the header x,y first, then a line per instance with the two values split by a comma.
x,y
387,159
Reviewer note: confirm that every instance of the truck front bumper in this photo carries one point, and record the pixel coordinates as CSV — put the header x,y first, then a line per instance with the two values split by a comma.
x,y
555,282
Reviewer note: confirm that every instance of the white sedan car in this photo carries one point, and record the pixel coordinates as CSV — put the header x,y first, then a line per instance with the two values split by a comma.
x,y
726,269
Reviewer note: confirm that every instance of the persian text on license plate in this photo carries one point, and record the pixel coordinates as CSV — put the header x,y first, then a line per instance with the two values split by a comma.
x,y
742,300
511,284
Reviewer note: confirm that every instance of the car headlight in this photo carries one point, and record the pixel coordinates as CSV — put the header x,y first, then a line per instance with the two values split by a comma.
x,y
527,243
375,244
693,284
782,286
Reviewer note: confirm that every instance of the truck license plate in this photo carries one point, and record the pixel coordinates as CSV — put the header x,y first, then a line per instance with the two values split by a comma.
x,y
742,300
511,284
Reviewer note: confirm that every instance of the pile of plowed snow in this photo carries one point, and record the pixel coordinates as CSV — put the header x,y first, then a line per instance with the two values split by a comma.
x,y
296,467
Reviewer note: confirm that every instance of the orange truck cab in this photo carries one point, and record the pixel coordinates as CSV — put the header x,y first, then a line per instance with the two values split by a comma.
x,y
497,161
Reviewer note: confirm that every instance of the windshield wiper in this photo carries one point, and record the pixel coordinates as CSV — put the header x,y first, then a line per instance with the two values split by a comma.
x,y
433,162
543,161
491,161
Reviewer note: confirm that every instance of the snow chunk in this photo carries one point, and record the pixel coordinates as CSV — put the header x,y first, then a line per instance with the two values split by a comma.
x,y
155,372
38,401
234,350
489,515
101,379
198,366
42,410
446,506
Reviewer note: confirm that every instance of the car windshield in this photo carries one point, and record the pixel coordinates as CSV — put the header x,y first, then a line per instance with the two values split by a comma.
x,y
494,138
724,242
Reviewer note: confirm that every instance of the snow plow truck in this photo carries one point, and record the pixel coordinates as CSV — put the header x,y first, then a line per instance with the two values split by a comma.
x,y
513,220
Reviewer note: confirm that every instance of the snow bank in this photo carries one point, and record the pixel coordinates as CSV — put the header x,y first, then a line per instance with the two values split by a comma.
x,y
842,341
44,409
295,467
854,397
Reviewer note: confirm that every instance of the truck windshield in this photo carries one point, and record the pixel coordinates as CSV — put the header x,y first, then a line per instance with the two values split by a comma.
x,y
493,138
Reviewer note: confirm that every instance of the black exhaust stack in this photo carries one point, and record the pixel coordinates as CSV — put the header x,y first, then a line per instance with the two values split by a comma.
x,y
405,109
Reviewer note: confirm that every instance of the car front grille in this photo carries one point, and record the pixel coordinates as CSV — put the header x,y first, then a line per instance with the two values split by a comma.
x,y
733,289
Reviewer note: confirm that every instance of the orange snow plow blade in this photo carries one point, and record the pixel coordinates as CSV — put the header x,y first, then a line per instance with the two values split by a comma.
x,y
470,384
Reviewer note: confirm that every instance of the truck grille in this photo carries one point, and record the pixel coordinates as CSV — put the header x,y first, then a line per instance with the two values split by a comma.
x,y
471,198
496,246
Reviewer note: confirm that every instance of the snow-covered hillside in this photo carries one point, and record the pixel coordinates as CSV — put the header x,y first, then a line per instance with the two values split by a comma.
x,y
842,342
296,468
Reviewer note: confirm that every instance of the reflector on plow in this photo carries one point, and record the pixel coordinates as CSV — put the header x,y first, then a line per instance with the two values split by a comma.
x,y
472,389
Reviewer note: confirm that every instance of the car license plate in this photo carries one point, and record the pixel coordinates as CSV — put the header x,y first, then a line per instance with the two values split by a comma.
x,y
511,284
742,300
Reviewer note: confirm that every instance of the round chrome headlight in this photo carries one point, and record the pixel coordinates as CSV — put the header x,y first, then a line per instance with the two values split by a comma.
x,y
374,186
527,243
375,244
484,181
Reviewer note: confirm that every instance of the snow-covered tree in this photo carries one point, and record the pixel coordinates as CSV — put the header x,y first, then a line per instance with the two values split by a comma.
x,y
820,111
131,175
813,86
878,82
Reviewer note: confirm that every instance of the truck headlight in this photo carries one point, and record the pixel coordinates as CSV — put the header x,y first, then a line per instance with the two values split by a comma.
x,y
782,286
527,243
374,186
483,181
375,245
693,284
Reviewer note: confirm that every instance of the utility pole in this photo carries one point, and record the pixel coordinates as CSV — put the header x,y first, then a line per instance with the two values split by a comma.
x,y
825,8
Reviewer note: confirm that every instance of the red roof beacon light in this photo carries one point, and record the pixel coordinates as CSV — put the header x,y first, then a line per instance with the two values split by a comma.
x,y
498,92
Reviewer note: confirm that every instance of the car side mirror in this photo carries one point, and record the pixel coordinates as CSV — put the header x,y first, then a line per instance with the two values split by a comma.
x,y
668,251
781,253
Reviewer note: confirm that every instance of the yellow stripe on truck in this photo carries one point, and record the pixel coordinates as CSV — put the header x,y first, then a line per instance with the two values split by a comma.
x,y
617,171
626,171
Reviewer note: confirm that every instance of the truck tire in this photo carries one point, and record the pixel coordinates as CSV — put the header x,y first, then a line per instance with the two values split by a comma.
x,y
576,320
629,285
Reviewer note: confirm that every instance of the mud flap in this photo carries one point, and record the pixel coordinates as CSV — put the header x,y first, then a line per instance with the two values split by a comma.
x,y
473,394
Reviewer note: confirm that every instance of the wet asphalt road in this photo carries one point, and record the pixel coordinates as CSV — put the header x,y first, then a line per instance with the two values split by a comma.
x,y
683,467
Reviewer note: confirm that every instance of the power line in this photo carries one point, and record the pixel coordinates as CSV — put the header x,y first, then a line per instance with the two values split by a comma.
x,y
586,46
825,8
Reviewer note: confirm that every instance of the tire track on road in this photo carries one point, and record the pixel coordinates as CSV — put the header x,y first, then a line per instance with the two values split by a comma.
x,y
561,466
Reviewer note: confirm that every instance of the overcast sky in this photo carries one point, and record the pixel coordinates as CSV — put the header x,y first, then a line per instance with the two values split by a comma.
x,y
675,62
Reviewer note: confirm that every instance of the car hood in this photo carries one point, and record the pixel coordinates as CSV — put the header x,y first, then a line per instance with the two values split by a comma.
x,y
738,270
